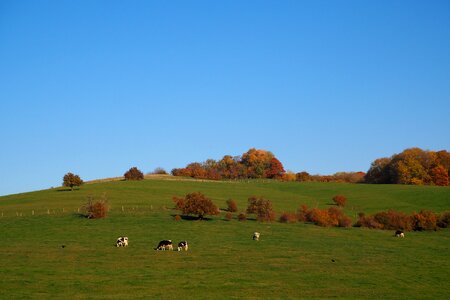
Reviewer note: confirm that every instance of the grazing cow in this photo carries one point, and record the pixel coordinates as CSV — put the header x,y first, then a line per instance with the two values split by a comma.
x,y
165,245
256,236
399,233
122,241
183,246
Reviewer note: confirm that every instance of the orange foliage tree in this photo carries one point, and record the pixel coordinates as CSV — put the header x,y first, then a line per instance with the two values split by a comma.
x,y
133,174
262,208
71,180
339,200
412,166
196,204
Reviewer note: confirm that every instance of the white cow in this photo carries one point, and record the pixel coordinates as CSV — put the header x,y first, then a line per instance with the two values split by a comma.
x,y
256,236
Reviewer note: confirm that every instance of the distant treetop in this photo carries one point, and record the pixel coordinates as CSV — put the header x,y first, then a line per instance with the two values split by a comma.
x,y
133,174
412,166
252,164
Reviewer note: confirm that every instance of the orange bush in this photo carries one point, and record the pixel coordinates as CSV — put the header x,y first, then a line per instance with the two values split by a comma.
x,y
288,217
177,218
339,200
242,217
196,204
262,208
133,174
424,220
444,220
96,209
228,216
232,205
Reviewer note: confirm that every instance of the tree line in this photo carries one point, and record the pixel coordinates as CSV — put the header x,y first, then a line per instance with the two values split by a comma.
x,y
412,166
252,164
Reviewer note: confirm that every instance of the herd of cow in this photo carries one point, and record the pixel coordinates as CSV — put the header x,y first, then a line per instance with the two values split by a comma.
x,y
183,245
163,245
167,244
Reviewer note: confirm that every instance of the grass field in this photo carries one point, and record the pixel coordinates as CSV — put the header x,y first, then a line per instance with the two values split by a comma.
x,y
291,261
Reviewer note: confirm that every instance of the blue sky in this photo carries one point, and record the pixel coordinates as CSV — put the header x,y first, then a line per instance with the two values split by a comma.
x,y
96,87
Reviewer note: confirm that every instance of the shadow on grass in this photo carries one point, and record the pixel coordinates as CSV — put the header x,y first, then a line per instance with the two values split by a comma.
x,y
192,218
79,215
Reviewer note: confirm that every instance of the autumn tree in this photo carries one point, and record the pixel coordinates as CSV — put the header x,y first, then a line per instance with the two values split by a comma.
x,y
196,204
71,180
232,205
412,166
340,200
276,169
302,176
261,207
133,174
379,171
257,162
439,175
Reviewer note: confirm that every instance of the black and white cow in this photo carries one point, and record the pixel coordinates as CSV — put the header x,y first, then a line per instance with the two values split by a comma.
x,y
122,241
399,233
256,236
183,246
165,245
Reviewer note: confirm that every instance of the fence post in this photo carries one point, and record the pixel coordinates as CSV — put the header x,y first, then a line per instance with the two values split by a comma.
x,y
32,212
48,211
122,208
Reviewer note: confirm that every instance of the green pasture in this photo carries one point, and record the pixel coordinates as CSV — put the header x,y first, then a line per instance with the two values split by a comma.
x,y
291,261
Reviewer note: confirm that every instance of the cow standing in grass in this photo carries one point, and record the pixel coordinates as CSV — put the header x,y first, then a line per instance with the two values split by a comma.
x,y
183,246
165,245
399,233
122,241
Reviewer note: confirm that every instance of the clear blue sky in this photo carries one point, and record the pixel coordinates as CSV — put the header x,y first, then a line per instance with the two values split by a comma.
x,y
96,87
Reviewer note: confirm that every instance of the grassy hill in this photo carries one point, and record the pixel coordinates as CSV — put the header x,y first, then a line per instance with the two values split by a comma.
x,y
290,261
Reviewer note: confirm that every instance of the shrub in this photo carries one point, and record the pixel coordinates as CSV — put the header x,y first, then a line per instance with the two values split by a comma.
x,y
133,174
160,171
96,209
71,180
177,218
391,220
288,218
424,220
197,204
232,205
324,217
262,208
302,213
179,202
242,217
367,221
320,217
228,216
444,220
344,221
339,200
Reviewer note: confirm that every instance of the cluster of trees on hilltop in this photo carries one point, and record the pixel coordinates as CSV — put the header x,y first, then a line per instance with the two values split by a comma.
x,y
252,164
412,166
